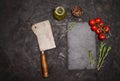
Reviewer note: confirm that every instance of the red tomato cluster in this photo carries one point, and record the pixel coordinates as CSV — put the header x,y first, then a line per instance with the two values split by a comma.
x,y
99,27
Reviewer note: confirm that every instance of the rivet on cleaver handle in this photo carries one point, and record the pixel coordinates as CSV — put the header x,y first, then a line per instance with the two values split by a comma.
x,y
45,39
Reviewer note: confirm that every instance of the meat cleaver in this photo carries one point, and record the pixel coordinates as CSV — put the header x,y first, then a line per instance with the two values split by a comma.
x,y
44,35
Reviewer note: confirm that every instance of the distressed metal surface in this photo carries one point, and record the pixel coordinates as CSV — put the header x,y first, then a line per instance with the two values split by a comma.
x,y
44,35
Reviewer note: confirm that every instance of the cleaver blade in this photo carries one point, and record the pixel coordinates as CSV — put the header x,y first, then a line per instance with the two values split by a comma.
x,y
44,35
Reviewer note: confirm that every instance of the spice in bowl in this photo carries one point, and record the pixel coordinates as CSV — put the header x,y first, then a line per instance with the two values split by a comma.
x,y
77,11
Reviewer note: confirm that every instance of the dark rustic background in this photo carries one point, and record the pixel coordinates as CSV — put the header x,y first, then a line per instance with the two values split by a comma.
x,y
19,52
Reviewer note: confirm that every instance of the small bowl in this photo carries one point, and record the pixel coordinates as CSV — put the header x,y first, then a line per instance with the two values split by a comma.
x,y
77,11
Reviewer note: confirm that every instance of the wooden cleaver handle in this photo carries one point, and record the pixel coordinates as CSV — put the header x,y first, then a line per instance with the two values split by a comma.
x,y
44,65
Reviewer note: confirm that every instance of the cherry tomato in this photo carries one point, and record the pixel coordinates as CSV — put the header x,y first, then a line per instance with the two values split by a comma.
x,y
107,29
98,31
94,28
98,20
102,36
92,22
101,23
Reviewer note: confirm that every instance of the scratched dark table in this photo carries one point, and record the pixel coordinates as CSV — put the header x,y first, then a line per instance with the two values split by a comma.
x,y
19,52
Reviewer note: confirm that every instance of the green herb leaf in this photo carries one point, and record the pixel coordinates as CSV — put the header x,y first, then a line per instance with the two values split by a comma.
x,y
103,54
92,61
102,44
109,48
71,26
104,51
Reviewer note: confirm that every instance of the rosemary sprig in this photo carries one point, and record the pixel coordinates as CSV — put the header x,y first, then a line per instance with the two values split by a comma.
x,y
109,48
71,26
102,44
92,61
104,50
